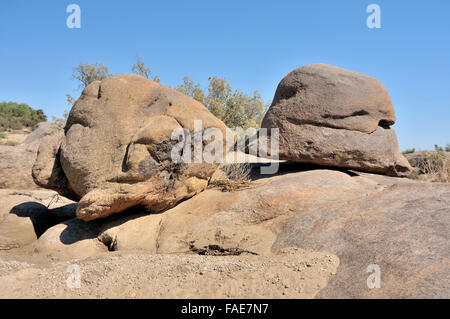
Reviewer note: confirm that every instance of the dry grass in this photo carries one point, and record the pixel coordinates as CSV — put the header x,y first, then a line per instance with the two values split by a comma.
x,y
432,166
232,177
13,138
9,143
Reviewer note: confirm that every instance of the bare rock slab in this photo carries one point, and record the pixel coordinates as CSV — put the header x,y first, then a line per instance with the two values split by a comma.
x,y
398,224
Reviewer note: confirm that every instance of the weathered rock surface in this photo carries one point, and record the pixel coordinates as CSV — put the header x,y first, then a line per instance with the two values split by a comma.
x,y
116,150
74,238
400,225
16,161
26,215
339,221
334,117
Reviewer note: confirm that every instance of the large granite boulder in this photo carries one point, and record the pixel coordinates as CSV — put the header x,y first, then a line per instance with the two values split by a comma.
x,y
115,152
334,117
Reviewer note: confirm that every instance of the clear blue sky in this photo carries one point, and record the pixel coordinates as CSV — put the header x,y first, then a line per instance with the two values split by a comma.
x,y
253,44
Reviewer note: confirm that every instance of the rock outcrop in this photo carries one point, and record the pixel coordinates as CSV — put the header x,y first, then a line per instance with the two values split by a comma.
x,y
334,117
115,152
361,219
16,162
348,220
307,231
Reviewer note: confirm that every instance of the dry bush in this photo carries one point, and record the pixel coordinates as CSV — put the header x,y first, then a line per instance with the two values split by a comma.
x,y
433,166
232,177
239,172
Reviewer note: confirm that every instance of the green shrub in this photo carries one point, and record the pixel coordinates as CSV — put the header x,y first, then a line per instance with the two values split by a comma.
x,y
18,116
438,148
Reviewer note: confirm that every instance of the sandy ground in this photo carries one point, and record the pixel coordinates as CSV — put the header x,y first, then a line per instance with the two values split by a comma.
x,y
293,273
13,137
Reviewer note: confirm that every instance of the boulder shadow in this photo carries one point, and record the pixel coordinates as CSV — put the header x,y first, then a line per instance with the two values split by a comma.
x,y
288,167
43,218
77,230
129,214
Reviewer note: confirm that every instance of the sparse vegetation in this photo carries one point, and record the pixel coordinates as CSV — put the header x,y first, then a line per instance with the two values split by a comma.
x,y
9,143
438,148
233,107
432,166
239,172
70,99
436,166
61,122
140,69
232,177
88,73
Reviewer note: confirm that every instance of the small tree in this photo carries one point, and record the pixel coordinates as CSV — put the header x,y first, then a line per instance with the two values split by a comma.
x,y
70,99
234,108
88,73
61,122
192,90
140,69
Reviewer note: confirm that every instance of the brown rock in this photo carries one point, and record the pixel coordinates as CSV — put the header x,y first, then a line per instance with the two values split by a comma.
x,y
47,171
334,117
116,150
342,218
363,220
